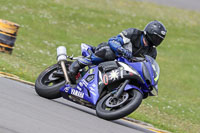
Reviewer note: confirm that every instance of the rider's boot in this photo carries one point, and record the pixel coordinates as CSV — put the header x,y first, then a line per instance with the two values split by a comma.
x,y
81,63
75,67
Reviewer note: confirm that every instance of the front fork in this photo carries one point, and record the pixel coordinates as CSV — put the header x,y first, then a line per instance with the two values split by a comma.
x,y
65,72
121,89
62,57
125,87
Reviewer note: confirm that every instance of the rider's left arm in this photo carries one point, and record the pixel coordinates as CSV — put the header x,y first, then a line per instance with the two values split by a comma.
x,y
116,44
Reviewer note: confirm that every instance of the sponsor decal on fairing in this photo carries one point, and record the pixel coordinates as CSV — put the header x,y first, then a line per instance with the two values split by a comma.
x,y
105,79
114,75
66,89
77,93
79,88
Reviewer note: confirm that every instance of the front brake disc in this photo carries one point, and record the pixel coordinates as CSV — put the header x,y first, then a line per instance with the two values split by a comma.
x,y
112,102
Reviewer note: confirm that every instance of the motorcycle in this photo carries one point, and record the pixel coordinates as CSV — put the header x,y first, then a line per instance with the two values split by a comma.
x,y
114,88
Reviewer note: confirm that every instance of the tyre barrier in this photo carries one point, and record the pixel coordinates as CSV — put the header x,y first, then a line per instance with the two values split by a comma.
x,y
8,33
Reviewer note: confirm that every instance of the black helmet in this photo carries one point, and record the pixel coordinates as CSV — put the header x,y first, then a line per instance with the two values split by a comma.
x,y
155,32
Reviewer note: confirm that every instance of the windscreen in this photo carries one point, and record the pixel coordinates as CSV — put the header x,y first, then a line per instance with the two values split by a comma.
x,y
155,66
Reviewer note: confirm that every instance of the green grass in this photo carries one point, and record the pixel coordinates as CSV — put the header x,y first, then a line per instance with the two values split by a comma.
x,y
47,24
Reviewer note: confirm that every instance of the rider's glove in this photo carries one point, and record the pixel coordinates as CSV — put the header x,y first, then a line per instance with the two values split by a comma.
x,y
125,52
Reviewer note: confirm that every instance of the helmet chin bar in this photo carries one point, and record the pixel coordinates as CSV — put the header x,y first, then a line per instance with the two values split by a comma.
x,y
149,43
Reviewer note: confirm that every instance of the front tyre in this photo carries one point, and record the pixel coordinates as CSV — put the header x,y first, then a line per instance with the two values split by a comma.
x,y
48,85
110,108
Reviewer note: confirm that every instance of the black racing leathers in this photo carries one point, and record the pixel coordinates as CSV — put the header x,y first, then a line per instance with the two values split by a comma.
x,y
131,41
128,44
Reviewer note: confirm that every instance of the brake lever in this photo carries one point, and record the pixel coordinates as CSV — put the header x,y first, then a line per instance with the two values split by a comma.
x,y
70,57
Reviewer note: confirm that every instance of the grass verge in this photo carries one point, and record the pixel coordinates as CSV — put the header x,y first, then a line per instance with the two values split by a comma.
x,y
45,25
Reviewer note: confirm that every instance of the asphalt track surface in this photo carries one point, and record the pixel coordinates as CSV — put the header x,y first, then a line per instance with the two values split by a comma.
x,y
184,4
23,111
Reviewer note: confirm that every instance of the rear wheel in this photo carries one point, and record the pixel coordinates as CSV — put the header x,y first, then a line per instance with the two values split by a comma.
x,y
110,108
48,85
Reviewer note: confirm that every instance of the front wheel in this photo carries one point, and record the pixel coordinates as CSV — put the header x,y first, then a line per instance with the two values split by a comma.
x,y
110,108
48,85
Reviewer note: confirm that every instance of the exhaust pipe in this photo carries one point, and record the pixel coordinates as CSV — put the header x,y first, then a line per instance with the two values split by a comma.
x,y
61,58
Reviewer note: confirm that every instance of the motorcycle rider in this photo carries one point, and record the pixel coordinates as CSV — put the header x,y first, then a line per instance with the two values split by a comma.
x,y
129,43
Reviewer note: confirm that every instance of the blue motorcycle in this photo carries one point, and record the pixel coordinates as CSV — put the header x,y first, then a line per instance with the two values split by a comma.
x,y
114,88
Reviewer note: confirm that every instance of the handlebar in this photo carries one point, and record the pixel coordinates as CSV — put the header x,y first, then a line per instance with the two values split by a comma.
x,y
137,59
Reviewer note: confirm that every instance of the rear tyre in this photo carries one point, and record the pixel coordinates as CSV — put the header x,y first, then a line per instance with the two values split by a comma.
x,y
47,85
111,109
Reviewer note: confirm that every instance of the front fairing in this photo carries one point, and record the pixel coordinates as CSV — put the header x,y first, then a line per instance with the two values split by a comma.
x,y
154,91
154,72
138,67
135,65
149,71
86,89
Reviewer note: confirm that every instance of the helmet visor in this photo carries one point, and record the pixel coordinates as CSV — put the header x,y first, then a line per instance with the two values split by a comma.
x,y
155,39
